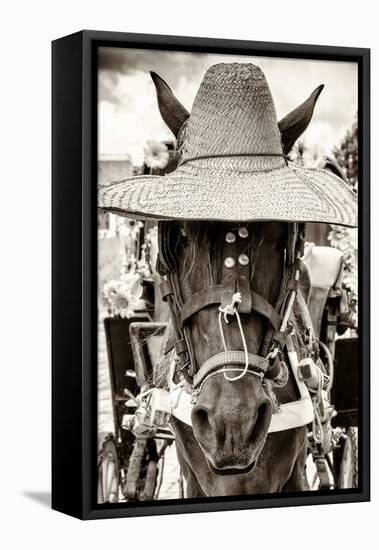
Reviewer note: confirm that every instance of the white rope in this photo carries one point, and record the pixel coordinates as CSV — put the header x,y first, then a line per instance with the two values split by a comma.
x,y
231,309
323,381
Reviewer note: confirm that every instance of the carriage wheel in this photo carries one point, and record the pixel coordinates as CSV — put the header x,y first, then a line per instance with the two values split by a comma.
x,y
108,472
349,462
141,475
150,481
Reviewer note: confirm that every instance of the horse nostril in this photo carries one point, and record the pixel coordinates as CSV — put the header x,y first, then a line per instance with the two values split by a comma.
x,y
261,419
200,418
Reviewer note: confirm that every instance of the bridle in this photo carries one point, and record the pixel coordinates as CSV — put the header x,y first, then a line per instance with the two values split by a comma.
x,y
234,297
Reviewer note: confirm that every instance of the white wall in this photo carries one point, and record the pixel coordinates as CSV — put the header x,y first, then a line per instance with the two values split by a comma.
x,y
27,28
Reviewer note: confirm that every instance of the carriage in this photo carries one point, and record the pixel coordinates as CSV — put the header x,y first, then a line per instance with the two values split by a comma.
x,y
132,457
297,314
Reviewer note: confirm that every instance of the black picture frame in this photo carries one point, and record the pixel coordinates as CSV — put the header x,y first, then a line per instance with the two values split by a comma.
x,y
74,272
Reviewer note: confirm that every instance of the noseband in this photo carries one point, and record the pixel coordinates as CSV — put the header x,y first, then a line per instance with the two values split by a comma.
x,y
234,297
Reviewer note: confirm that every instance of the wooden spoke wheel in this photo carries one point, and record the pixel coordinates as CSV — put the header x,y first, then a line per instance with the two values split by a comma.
x,y
108,471
141,476
348,478
150,480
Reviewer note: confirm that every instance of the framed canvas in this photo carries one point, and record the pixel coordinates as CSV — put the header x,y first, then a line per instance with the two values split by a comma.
x,y
211,287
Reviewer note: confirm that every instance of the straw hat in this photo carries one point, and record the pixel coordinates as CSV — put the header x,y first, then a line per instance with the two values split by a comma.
x,y
232,165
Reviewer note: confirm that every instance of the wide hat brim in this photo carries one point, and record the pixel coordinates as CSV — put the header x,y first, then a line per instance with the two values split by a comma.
x,y
194,191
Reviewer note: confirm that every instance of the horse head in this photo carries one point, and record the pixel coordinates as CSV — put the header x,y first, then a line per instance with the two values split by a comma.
x,y
232,413
227,285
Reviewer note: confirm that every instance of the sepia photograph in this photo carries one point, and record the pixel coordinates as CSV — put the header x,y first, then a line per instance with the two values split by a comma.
x,y
227,275
188,203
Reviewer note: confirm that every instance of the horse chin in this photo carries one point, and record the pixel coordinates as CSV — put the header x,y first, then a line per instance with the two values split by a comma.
x,y
231,471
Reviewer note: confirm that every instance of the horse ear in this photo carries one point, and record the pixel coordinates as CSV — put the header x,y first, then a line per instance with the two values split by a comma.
x,y
296,122
332,165
172,111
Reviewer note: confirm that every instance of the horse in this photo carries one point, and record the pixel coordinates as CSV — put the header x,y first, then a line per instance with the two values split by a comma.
x,y
229,449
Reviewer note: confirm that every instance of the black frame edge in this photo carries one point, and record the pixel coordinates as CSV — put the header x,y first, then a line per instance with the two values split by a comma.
x,y
81,501
364,112
67,96
196,43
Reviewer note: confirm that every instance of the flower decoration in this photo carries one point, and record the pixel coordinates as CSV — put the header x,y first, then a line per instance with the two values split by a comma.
x,y
156,154
110,290
122,296
132,283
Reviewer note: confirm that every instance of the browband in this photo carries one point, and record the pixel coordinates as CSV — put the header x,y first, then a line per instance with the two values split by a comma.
x,y
212,295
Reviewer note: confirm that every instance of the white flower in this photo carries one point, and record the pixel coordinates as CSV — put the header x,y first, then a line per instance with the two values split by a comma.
x,y
110,289
123,296
131,283
121,304
156,154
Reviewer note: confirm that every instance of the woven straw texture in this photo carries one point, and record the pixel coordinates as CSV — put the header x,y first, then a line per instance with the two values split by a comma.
x,y
233,112
233,121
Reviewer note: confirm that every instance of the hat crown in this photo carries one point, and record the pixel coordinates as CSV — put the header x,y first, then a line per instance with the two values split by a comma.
x,y
233,114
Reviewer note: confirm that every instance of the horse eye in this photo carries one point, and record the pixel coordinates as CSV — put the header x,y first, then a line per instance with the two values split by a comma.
x,y
182,230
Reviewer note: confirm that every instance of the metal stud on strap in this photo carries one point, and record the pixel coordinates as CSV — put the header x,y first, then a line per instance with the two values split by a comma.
x,y
230,237
229,262
243,259
243,232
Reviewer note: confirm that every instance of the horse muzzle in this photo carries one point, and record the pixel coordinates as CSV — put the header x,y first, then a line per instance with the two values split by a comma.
x,y
230,421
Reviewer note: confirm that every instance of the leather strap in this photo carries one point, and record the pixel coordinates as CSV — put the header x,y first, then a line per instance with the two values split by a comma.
x,y
291,243
212,295
180,346
228,282
166,289
243,276
235,358
199,300
262,306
